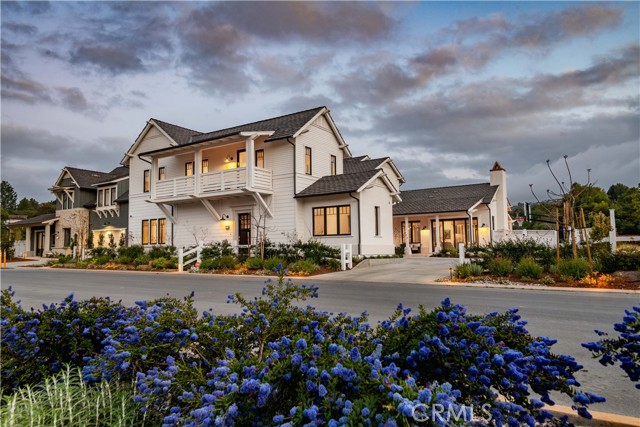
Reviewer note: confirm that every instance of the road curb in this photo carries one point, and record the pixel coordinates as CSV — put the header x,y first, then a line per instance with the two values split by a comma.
x,y
603,419
537,288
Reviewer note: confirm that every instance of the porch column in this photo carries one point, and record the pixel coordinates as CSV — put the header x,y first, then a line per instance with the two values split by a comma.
x,y
407,246
438,248
47,239
27,240
152,177
250,160
471,242
197,167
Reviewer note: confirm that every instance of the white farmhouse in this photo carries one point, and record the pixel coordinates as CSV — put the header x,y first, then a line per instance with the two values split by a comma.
x,y
289,177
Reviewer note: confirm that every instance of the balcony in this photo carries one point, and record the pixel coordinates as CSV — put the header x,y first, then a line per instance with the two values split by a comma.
x,y
221,182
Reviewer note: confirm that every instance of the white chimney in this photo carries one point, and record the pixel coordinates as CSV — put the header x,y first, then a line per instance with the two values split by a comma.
x,y
498,176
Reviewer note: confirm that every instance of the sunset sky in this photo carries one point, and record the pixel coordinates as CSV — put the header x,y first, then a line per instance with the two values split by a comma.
x,y
445,89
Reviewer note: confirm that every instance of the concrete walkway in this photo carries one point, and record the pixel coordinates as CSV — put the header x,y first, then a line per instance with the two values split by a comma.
x,y
33,262
420,270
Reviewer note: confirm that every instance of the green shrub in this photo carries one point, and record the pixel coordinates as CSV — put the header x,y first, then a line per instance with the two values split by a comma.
x,y
217,250
273,262
227,261
172,263
223,262
500,266
573,268
303,266
162,251
529,269
283,251
547,280
124,259
159,263
209,264
64,400
101,251
399,250
254,263
620,261
100,259
132,252
65,259
462,271
316,251
334,264
82,264
515,250
141,260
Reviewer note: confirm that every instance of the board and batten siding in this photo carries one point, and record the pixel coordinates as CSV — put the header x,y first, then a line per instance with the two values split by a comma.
x,y
139,207
376,195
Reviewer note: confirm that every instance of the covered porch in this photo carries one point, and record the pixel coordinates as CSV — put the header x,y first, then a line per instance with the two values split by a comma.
x,y
39,235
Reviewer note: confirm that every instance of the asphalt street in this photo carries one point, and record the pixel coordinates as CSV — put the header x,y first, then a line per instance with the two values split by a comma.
x,y
569,317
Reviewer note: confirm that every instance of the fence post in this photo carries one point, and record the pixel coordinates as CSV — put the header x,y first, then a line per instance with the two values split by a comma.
x,y
461,253
346,256
612,232
199,251
180,259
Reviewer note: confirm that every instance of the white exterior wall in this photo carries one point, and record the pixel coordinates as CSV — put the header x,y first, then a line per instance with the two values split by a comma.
x,y
376,195
391,175
307,205
139,208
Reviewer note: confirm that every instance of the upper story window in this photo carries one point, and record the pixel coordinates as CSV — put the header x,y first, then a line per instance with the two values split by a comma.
x,y
147,181
188,169
162,173
205,165
307,160
260,158
333,165
376,213
107,196
67,200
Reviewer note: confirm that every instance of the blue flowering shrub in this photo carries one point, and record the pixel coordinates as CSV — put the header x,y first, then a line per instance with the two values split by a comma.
x,y
280,363
624,349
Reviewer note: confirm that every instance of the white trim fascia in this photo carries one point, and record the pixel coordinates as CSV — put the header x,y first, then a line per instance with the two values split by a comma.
x,y
173,143
105,183
472,208
373,178
335,130
147,127
256,134
394,168
313,119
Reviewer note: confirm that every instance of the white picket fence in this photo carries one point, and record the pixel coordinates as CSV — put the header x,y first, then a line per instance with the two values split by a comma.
x,y
182,254
346,256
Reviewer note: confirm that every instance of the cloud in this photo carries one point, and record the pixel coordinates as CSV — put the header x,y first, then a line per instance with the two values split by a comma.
x,y
110,58
21,29
470,45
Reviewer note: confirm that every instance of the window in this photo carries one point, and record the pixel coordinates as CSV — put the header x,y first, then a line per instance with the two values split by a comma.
x,y
67,237
188,169
100,198
107,196
260,158
242,158
107,199
153,232
113,195
307,160
377,219
162,174
162,229
453,232
145,231
414,231
205,165
332,221
67,200
147,181
333,165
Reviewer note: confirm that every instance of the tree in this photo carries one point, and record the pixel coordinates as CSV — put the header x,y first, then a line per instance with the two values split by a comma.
x,y
8,195
616,191
600,226
591,199
628,212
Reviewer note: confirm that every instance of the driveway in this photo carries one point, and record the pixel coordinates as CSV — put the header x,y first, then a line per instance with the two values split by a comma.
x,y
420,270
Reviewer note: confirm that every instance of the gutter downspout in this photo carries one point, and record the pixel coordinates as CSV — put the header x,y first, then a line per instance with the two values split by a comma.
x,y
490,223
147,161
295,172
359,225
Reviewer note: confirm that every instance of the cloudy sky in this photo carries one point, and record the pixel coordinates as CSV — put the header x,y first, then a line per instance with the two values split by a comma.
x,y
445,89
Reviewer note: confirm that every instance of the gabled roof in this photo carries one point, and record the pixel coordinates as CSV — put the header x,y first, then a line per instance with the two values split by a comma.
x,y
457,198
338,184
361,164
86,178
124,198
36,220
282,126
179,134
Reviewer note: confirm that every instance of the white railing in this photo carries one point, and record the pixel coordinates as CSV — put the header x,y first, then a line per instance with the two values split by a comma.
x,y
223,180
213,182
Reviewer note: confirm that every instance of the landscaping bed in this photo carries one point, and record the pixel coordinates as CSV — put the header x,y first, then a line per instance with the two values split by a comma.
x,y
622,280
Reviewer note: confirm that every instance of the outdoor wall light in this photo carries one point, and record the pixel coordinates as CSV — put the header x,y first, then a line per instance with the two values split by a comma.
x,y
225,216
228,158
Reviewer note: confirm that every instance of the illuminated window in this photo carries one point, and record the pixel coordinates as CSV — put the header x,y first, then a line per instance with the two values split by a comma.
x,y
162,231
147,181
153,232
260,158
205,165
188,169
333,165
145,231
161,173
332,221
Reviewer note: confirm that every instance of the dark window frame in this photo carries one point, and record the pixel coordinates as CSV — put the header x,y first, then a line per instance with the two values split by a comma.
x,y
186,169
145,236
256,159
243,150
334,165
466,231
377,220
324,216
66,237
203,163
411,241
308,161
162,173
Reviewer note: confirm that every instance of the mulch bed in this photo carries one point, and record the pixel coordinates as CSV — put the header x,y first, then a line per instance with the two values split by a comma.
x,y
625,280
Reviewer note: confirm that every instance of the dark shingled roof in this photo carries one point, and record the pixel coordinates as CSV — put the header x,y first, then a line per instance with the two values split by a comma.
x,y
33,220
282,126
338,184
179,134
117,173
87,178
124,198
357,164
444,199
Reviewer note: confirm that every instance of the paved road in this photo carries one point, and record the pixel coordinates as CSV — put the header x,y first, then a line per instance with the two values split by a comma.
x,y
570,317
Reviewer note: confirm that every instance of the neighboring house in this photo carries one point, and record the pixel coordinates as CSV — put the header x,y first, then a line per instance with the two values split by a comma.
x,y
109,216
39,234
286,177
441,218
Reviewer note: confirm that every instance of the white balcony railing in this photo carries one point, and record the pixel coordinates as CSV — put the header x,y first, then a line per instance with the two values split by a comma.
x,y
213,182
